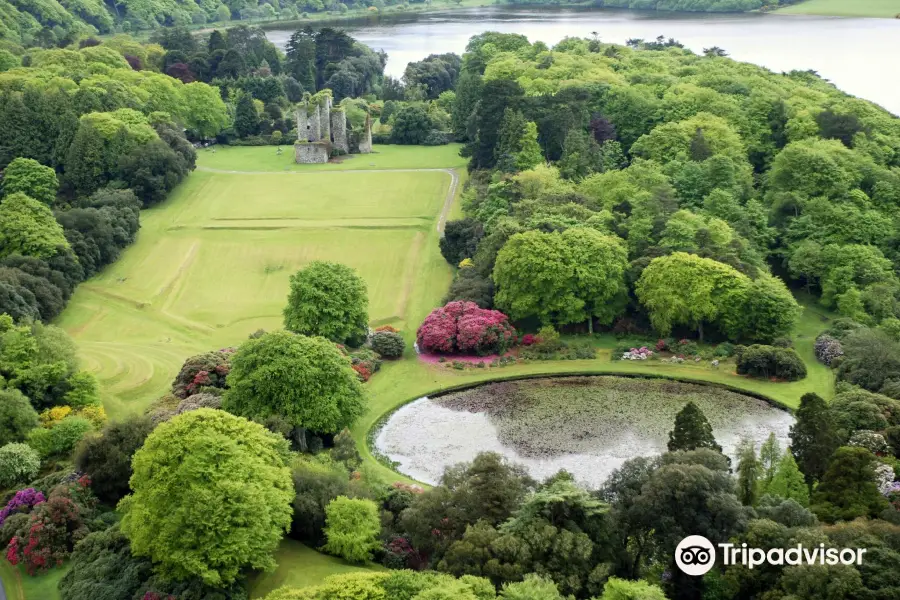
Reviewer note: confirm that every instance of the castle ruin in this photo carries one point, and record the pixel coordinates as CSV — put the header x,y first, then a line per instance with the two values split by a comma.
x,y
322,130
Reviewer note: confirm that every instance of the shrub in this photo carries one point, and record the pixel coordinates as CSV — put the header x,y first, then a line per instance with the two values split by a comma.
x,y
17,416
207,370
783,342
827,349
352,527
315,485
871,441
388,344
465,328
22,502
725,350
61,439
768,362
106,458
18,463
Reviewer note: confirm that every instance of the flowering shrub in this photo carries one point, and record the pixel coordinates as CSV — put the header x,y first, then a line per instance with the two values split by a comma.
x,y
463,327
19,463
642,353
52,416
871,441
365,362
363,373
661,345
528,339
827,349
53,529
884,478
203,370
22,502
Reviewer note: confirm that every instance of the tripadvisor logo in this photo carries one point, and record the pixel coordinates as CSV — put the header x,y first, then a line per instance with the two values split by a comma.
x,y
696,555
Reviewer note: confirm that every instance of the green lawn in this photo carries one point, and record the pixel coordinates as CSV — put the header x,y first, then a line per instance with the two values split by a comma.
x,y
21,586
266,158
211,264
301,566
844,8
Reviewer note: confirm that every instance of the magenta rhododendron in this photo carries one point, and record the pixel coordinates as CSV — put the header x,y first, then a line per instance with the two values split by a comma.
x,y
465,328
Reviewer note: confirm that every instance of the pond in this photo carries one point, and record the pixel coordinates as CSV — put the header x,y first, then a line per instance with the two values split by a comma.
x,y
586,425
859,55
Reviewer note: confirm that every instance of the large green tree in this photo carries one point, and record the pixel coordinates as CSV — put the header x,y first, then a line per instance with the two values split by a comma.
x,y
847,489
31,178
304,380
17,416
692,430
788,481
106,457
328,299
211,497
27,227
685,289
813,437
574,276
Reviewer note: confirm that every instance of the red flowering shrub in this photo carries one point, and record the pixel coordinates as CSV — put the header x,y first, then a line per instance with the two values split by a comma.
x,y
661,345
54,527
363,373
203,370
464,327
528,339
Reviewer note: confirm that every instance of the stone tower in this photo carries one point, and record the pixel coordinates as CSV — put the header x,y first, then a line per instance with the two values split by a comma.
x,y
339,130
365,139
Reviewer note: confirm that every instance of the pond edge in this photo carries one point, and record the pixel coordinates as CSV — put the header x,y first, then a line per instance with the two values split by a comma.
x,y
379,423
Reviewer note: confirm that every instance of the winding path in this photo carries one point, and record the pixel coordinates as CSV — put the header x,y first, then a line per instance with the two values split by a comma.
x,y
448,201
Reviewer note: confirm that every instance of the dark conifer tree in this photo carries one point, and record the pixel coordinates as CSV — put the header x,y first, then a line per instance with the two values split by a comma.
x,y
692,430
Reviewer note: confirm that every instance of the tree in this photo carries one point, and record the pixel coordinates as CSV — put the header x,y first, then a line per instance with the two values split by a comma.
x,y
305,380
246,119
748,474
17,416
152,171
847,489
692,430
27,227
533,587
769,310
460,239
59,441
561,278
102,567
496,96
788,482
106,458
769,457
212,496
813,437
352,527
685,289
622,589
31,178
19,463
530,154
300,58
411,125
330,300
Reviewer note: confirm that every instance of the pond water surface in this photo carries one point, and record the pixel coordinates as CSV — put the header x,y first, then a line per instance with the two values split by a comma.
x,y
586,425
861,56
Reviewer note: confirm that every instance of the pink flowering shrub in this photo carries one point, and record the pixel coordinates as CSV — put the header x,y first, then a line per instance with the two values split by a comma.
x,y
463,327
23,501
206,370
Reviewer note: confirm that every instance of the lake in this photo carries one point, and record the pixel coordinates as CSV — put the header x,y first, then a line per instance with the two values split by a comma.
x,y
588,426
861,56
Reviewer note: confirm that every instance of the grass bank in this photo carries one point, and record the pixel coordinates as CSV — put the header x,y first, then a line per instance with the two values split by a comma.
x,y
844,8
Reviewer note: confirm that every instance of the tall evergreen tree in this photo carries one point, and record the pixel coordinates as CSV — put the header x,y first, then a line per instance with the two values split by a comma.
x,y
787,481
813,437
496,97
300,58
530,154
246,119
847,489
692,430
748,473
700,149
769,458
468,91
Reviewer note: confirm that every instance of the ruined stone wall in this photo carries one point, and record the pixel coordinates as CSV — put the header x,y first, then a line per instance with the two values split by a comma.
x,y
365,138
325,116
302,123
311,153
339,130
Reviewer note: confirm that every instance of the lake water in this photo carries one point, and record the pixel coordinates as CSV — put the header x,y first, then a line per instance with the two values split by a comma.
x,y
586,425
861,56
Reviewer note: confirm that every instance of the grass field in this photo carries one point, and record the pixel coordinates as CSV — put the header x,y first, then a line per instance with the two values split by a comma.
x,y
300,566
266,158
211,264
21,586
844,8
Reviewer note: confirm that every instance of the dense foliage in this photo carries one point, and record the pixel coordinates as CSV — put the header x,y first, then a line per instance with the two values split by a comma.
x,y
304,380
463,327
200,476
708,171
329,300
